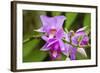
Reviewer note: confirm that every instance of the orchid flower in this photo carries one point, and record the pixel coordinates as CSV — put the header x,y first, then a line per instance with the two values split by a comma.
x,y
52,27
79,38
54,35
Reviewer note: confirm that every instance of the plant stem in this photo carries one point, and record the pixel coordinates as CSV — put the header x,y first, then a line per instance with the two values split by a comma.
x,y
75,45
33,37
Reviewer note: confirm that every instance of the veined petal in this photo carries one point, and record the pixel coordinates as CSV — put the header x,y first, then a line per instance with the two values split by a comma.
x,y
47,23
44,19
60,21
82,51
60,34
52,22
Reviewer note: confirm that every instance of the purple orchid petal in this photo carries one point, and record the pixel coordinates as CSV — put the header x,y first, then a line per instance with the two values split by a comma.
x,y
48,22
84,41
82,33
77,35
60,21
52,42
66,51
54,54
60,34
73,56
73,53
52,22
81,29
45,23
44,20
55,50
70,51
62,45
68,36
74,40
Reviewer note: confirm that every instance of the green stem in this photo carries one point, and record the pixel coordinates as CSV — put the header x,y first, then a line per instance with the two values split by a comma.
x,y
33,37
69,43
75,45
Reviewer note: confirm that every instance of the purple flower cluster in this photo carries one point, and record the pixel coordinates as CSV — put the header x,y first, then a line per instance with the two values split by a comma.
x,y
55,37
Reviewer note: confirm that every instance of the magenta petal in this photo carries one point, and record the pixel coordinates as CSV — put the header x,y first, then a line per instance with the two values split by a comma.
x,y
51,42
54,54
84,41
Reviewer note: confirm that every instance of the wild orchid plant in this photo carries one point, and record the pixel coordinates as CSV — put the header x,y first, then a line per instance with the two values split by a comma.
x,y
58,42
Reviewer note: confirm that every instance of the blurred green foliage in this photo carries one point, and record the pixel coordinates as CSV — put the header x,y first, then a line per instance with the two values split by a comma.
x,y
31,21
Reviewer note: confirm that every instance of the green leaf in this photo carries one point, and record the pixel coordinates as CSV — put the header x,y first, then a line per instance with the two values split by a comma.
x,y
70,19
35,56
32,52
31,21
28,47
63,57
87,22
55,13
79,56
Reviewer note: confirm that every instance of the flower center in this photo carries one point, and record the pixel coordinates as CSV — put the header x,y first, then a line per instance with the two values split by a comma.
x,y
52,33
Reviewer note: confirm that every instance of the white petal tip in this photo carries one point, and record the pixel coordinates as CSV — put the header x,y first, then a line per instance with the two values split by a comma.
x,y
68,59
82,51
